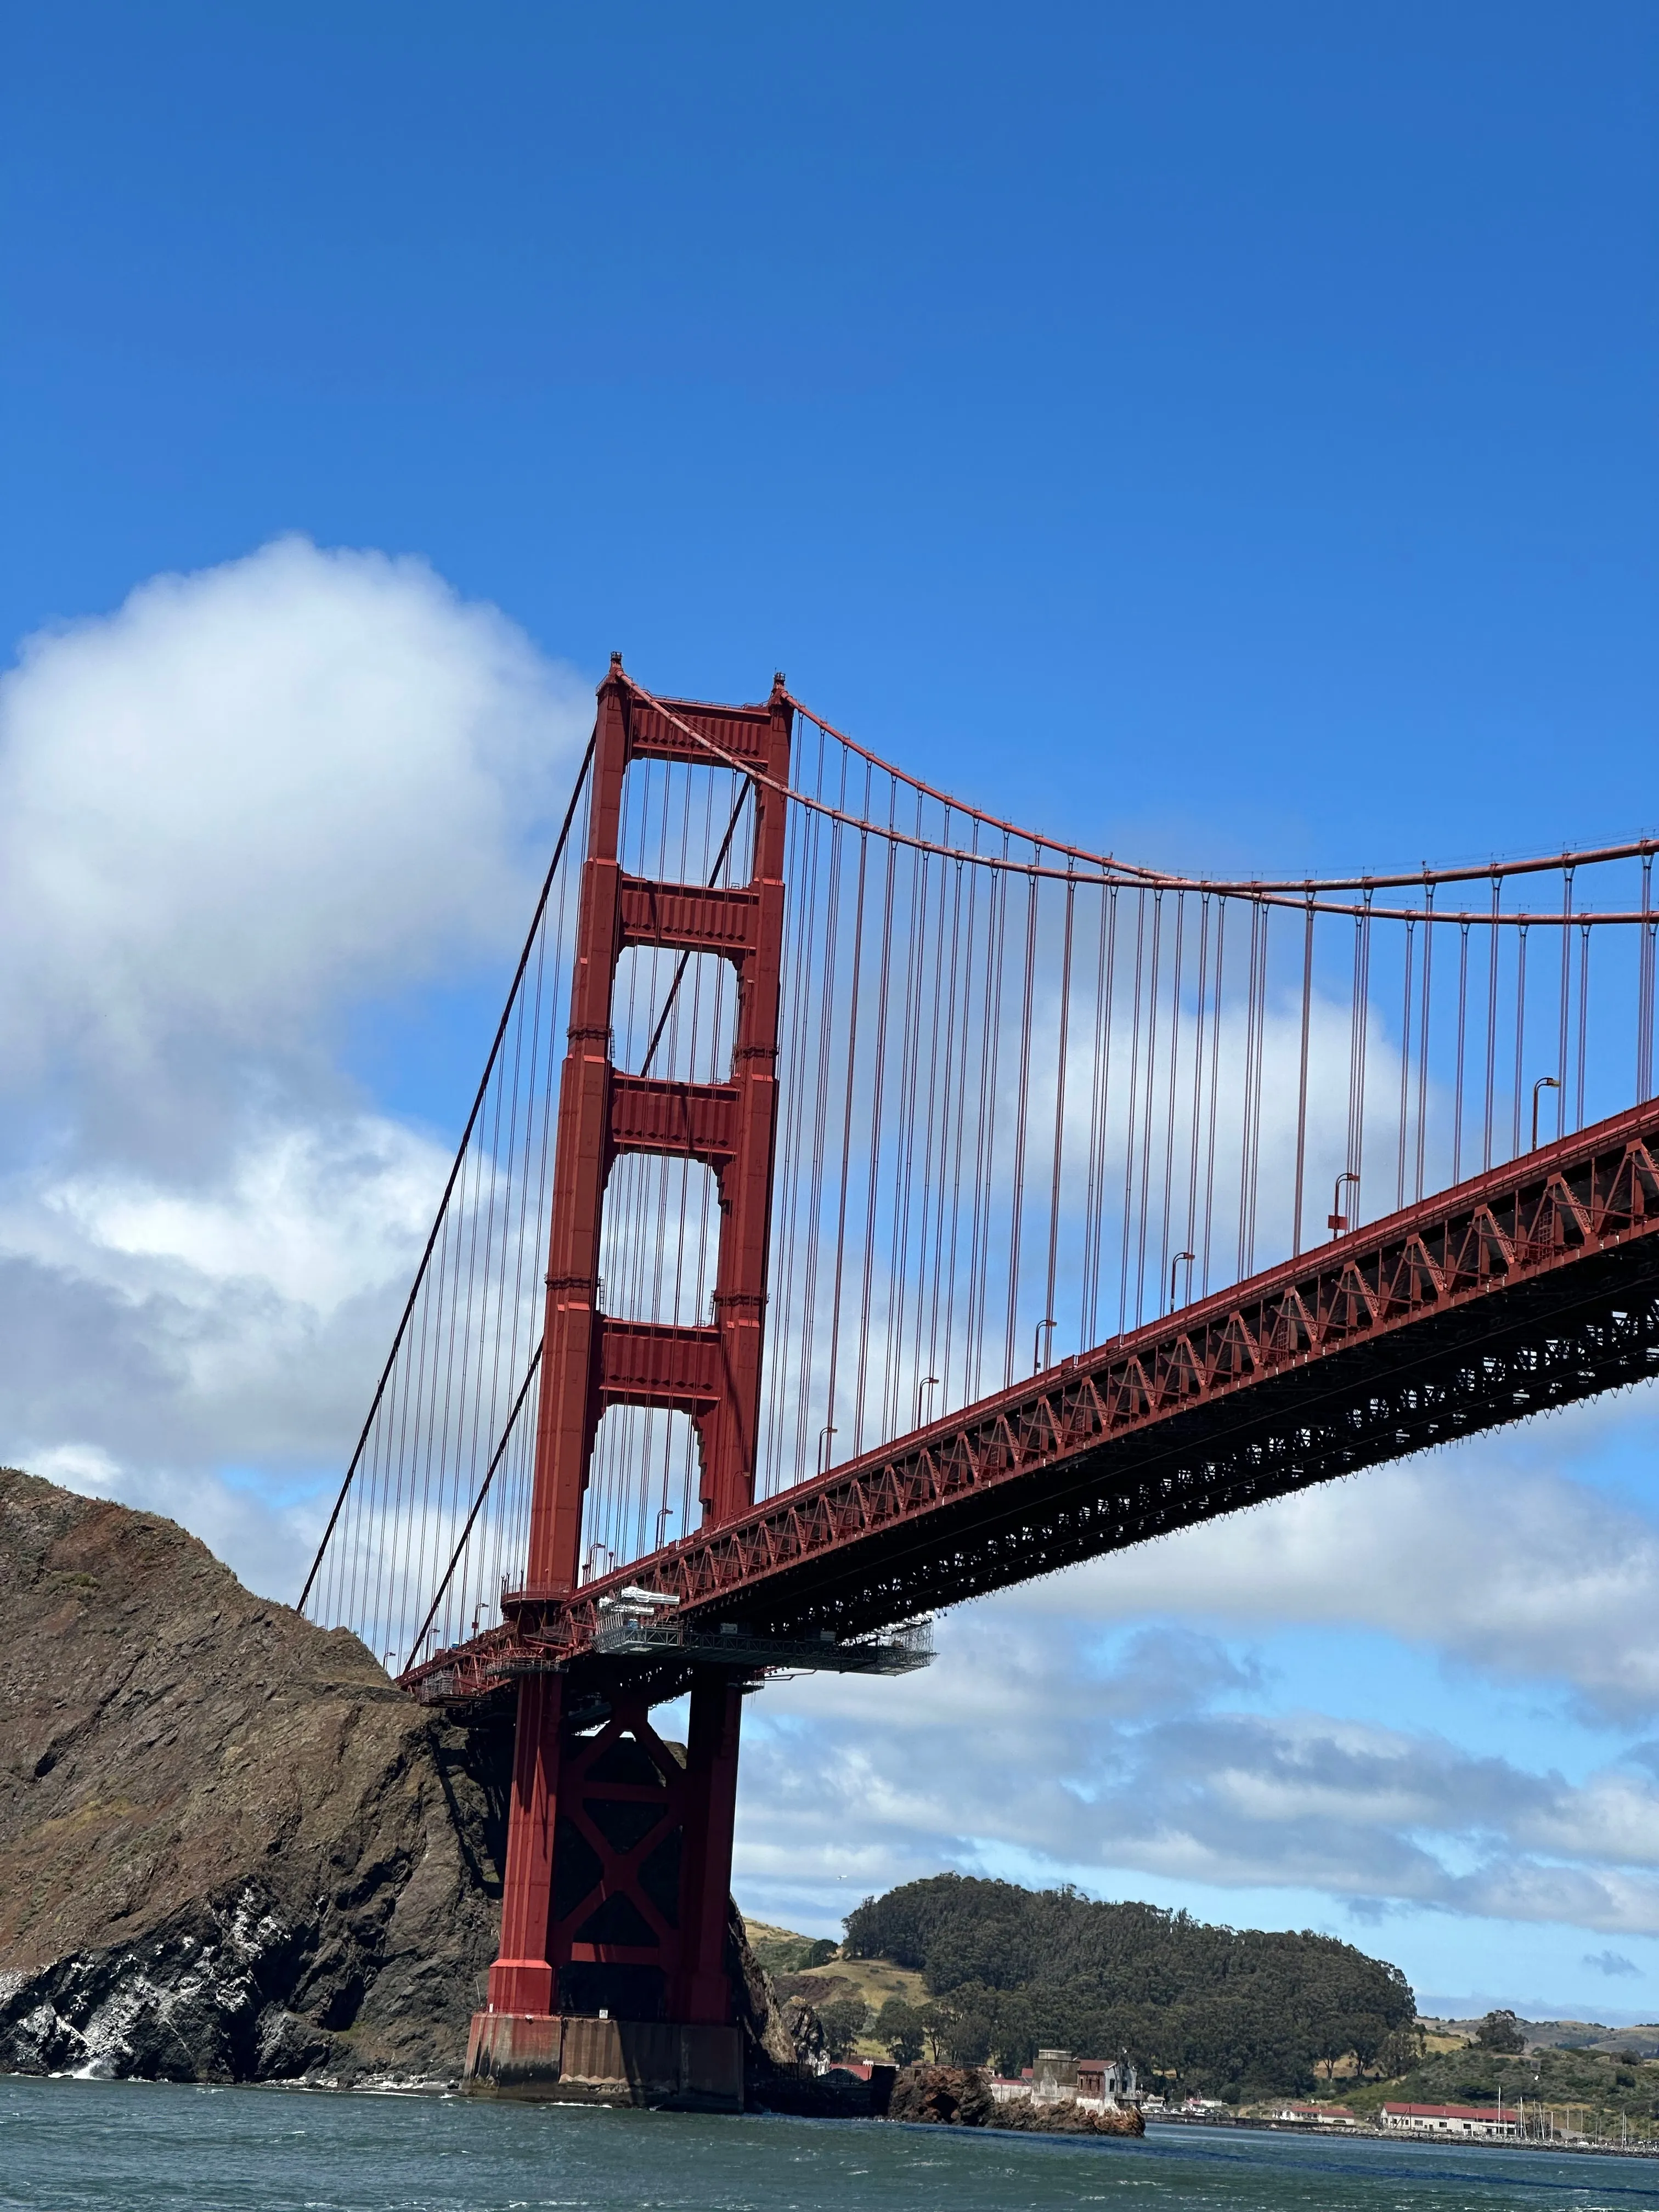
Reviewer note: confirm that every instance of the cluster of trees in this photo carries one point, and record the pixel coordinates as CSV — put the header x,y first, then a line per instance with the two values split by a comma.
x,y
1226,2010
844,2021
1501,2032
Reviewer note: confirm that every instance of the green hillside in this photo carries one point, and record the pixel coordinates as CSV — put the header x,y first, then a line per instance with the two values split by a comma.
x,y
1597,2093
1222,2010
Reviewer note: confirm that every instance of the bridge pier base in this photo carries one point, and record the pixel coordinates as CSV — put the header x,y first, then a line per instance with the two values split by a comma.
x,y
573,2059
613,1983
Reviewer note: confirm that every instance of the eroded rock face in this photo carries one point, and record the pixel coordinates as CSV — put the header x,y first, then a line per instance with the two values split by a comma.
x,y
230,1848
944,2096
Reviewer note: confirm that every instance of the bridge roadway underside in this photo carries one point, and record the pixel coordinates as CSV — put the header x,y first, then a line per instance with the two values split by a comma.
x,y
1560,1303
1550,1343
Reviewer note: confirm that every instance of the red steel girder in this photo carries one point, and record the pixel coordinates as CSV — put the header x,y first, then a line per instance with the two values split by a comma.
x,y
689,917
658,1363
1485,1302
695,1121
746,732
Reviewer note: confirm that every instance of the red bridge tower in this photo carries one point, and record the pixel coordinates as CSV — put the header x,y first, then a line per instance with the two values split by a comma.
x,y
612,1965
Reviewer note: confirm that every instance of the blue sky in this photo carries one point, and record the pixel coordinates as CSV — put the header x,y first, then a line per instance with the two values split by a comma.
x,y
1227,436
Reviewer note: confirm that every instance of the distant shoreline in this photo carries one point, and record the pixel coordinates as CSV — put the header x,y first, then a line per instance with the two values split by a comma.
x,y
1359,2132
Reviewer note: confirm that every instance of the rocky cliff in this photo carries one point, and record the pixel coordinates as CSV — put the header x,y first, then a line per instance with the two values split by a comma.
x,y
229,1848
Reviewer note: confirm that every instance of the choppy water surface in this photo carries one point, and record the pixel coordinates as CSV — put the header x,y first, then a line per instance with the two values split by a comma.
x,y
132,2147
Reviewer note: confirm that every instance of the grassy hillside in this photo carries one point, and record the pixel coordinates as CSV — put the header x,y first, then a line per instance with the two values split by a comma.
x,y
782,1950
1595,2091
834,1982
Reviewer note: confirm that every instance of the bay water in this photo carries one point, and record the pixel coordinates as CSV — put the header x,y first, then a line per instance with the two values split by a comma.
x,y
141,2147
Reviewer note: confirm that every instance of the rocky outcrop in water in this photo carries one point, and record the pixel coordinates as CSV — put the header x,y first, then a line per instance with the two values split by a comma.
x,y
958,2096
1068,2117
230,1848
942,2096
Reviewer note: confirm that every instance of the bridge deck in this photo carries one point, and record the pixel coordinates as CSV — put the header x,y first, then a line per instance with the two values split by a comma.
x,y
1528,1287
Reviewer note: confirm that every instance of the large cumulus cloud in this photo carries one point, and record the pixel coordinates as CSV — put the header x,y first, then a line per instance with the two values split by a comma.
x,y
1025,1745
244,806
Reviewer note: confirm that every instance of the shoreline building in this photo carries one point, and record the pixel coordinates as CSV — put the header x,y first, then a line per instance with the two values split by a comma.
x,y
1451,2120
1095,2084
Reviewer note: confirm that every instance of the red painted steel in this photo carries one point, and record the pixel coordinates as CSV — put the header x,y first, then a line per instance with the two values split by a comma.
x,y
695,1121
521,1979
558,1828
701,1993
1462,1262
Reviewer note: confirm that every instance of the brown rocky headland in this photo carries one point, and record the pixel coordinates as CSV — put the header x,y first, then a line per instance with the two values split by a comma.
x,y
230,1848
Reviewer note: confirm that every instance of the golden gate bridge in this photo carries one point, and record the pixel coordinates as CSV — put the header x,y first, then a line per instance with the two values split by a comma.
x,y
868,1203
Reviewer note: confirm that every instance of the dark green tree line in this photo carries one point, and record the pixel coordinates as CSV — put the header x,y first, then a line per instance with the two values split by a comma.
x,y
1010,1970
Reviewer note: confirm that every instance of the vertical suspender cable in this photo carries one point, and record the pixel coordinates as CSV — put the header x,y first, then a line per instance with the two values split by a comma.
x,y
1170,1101
1520,1037
1566,999
829,1408
1583,1017
1215,1088
1462,1014
1422,1036
1491,1026
872,1179
1100,1105
1260,1027
1301,1079
1059,1109
983,1192
1644,1009
1018,1201
1146,1109
1198,1076
938,1128
1405,1065
966,940
1129,1130
1252,1103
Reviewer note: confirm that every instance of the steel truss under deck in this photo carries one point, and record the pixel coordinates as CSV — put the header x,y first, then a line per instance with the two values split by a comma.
x,y
1530,1287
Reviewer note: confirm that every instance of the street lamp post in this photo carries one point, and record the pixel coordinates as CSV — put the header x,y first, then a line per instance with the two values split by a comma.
x,y
1544,1082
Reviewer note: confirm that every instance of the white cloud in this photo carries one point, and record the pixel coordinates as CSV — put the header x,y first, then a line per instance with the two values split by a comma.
x,y
1478,1551
318,1212
237,1323
244,803
1018,1748
248,798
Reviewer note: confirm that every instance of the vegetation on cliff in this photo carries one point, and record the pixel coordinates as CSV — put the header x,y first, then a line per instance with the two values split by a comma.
x,y
1007,1970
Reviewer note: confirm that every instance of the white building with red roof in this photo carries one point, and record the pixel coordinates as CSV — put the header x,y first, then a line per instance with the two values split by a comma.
x,y
1451,2120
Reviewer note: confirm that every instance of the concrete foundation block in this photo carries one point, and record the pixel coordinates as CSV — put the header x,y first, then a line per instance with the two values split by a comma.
x,y
573,2059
